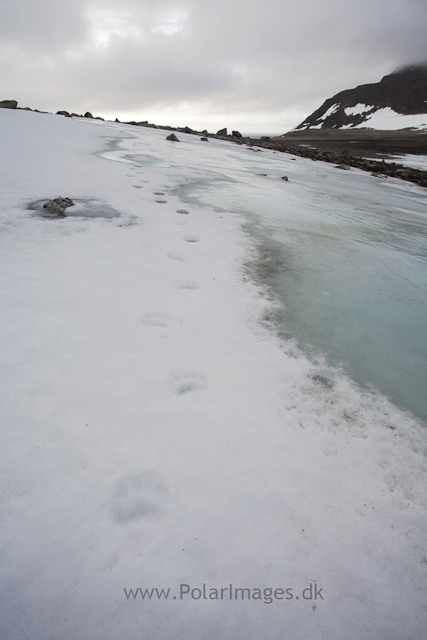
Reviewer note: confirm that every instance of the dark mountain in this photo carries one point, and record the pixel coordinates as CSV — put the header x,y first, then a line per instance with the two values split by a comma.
x,y
404,91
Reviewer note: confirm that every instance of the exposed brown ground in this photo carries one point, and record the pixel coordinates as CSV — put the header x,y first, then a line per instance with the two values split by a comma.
x,y
361,142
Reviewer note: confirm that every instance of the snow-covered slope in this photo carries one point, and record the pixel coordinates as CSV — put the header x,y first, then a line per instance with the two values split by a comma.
x,y
156,434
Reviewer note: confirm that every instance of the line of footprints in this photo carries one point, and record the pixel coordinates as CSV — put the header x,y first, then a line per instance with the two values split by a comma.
x,y
144,495
186,381
182,382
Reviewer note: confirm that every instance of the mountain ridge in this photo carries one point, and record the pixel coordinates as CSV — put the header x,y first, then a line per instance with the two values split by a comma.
x,y
404,92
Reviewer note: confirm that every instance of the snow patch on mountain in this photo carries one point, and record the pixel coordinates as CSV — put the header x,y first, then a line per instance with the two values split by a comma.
x,y
357,110
388,120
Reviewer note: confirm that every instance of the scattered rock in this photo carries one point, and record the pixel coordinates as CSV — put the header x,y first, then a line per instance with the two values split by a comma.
x,y
88,114
236,134
265,138
63,113
76,115
116,120
347,155
99,118
285,178
58,205
172,137
187,130
222,132
204,139
8,104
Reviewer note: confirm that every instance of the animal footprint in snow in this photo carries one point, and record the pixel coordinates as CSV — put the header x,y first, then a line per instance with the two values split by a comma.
x,y
186,381
187,284
191,238
138,496
157,319
174,255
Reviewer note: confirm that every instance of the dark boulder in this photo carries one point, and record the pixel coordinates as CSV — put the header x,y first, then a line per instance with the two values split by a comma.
x,y
347,155
88,114
58,205
172,137
204,139
8,104
63,113
236,134
222,132
285,178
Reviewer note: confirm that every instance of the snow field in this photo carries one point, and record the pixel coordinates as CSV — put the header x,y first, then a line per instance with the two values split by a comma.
x,y
156,433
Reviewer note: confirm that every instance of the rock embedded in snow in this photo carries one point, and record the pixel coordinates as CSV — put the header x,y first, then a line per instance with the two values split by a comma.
x,y
172,137
8,104
63,113
58,205
88,114
204,139
285,178
236,134
222,132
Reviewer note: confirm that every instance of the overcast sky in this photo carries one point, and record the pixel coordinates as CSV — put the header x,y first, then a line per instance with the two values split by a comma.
x,y
254,65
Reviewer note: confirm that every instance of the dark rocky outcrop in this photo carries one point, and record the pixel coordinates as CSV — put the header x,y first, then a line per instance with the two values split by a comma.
x,y
8,104
172,137
58,205
404,91
222,132
88,114
63,113
204,139
236,134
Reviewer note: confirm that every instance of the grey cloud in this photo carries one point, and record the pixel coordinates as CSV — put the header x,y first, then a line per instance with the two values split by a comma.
x,y
230,57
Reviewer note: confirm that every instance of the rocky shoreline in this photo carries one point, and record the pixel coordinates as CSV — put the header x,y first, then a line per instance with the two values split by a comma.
x,y
343,160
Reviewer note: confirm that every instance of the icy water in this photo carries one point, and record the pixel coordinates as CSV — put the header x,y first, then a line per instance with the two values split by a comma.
x,y
347,257
344,253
